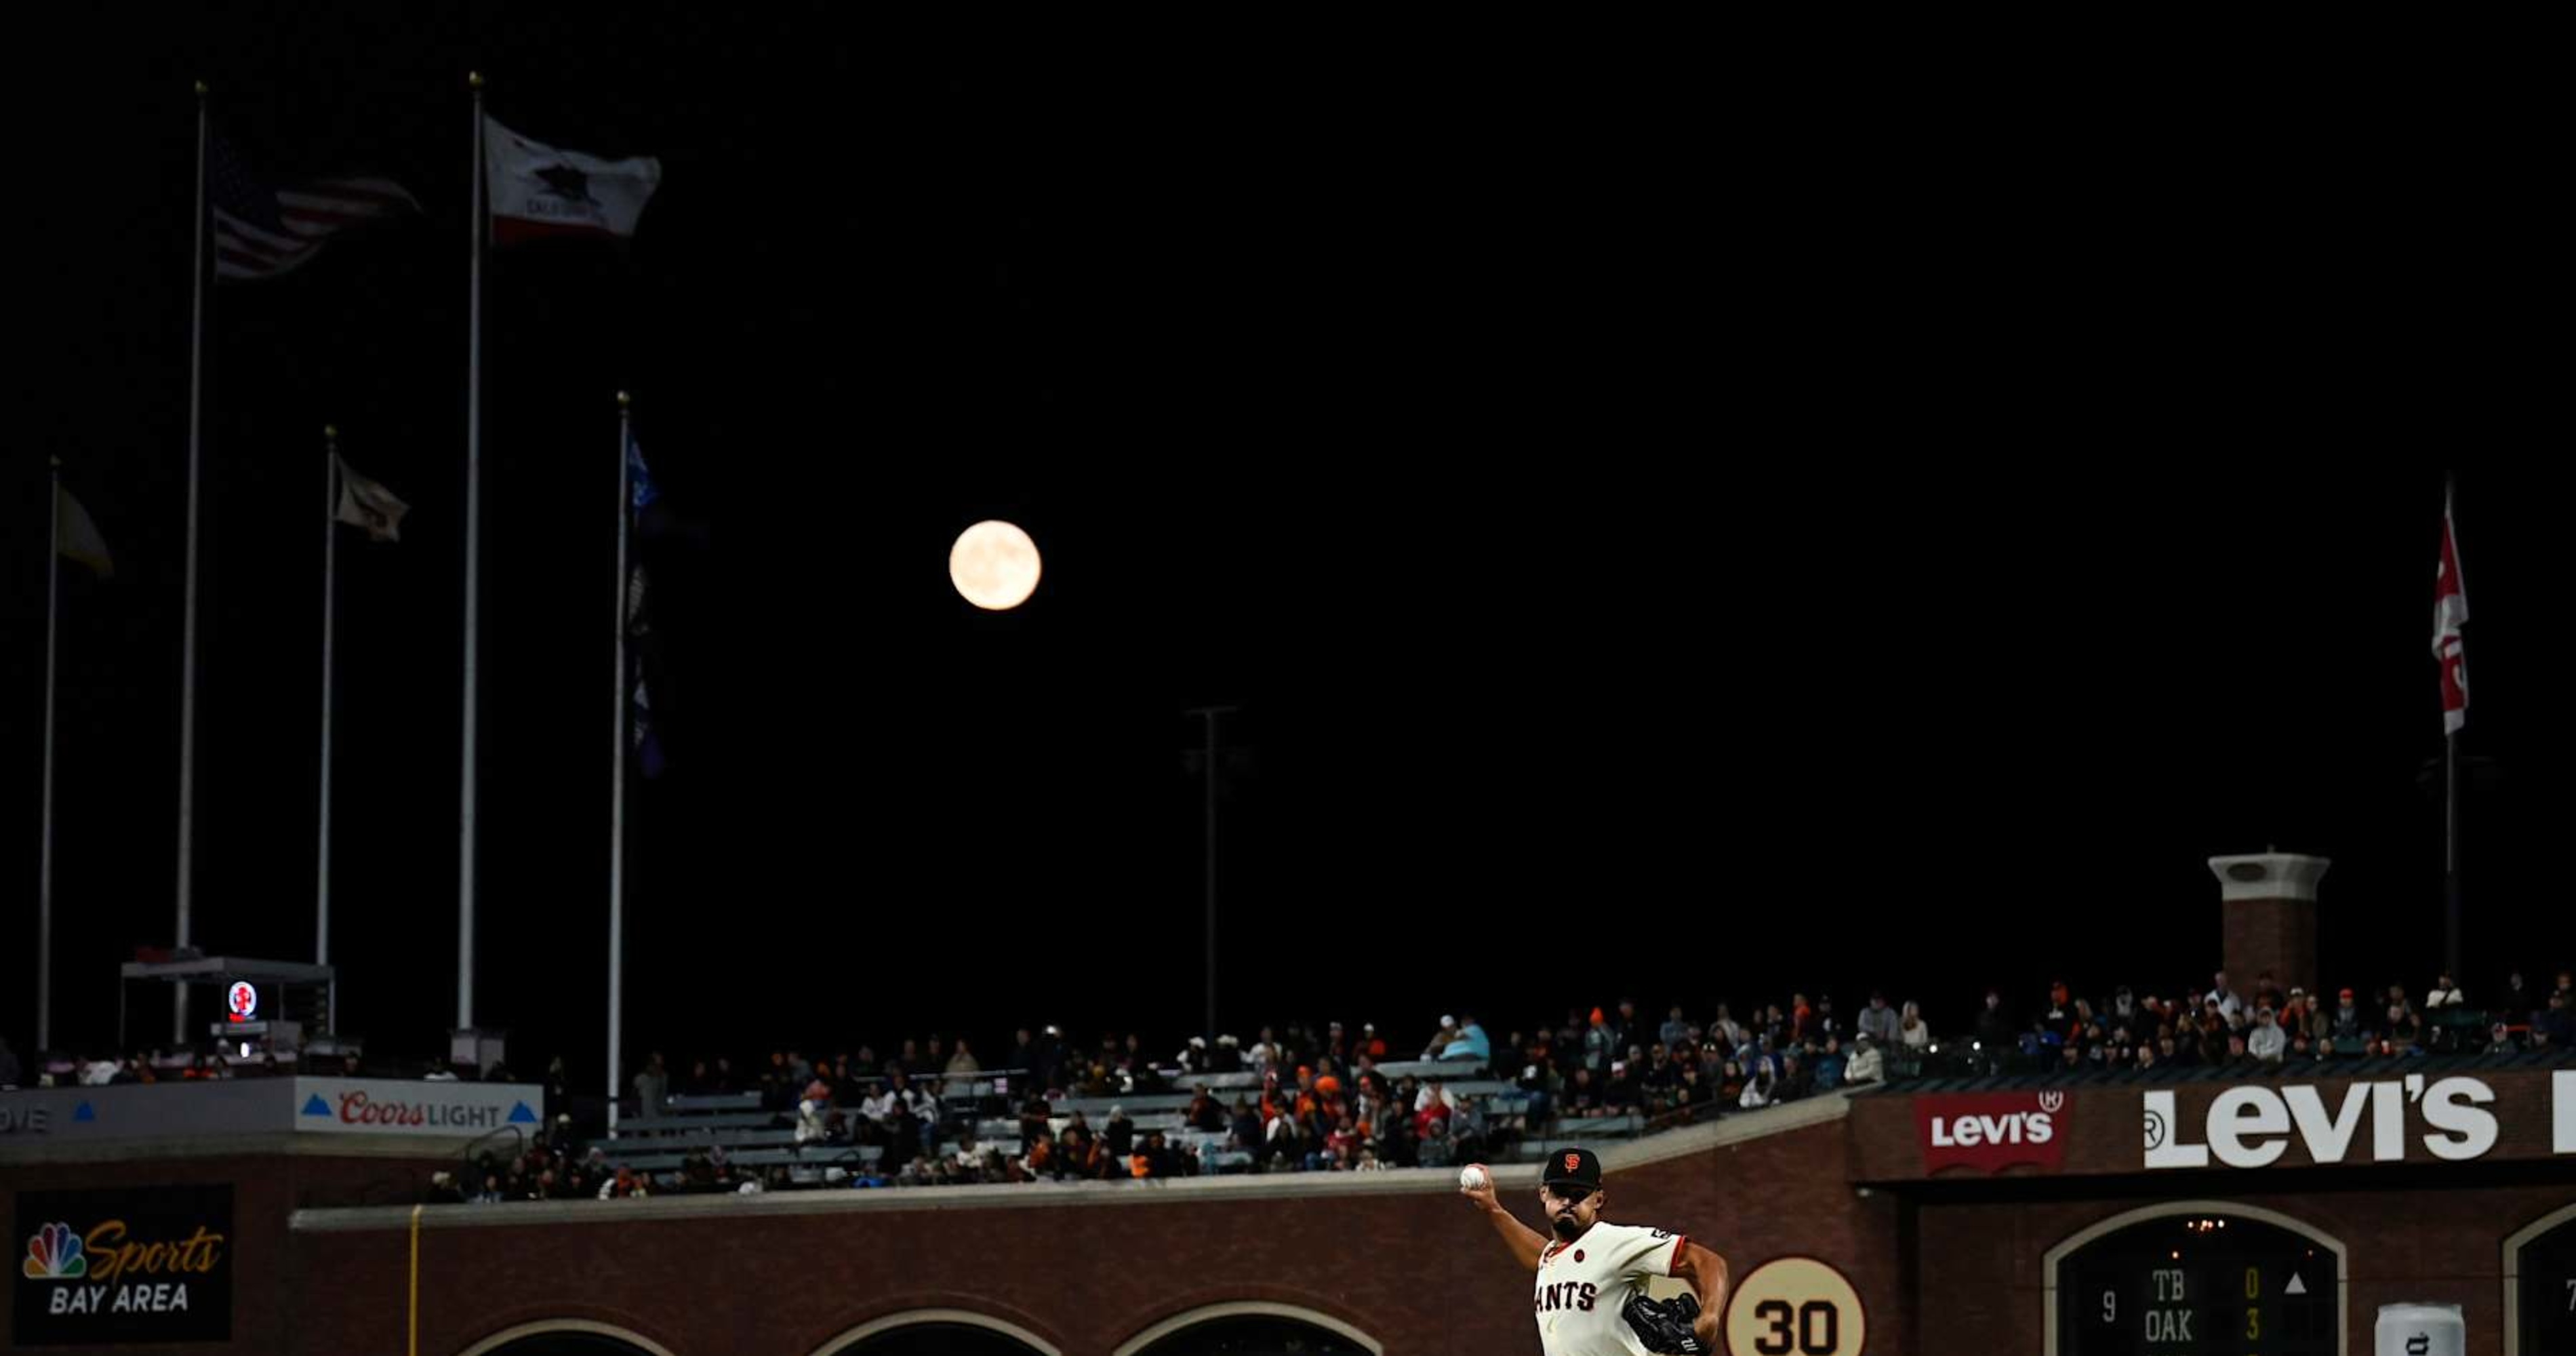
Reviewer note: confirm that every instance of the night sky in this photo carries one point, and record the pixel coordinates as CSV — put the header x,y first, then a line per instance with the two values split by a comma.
x,y
1668,539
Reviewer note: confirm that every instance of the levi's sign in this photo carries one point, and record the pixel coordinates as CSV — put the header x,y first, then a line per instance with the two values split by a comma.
x,y
1991,1131
2254,1126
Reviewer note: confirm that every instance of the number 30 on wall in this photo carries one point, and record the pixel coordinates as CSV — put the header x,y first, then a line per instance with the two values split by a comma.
x,y
1796,1306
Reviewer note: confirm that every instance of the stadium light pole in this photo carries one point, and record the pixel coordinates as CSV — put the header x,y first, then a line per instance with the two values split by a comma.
x,y
1209,715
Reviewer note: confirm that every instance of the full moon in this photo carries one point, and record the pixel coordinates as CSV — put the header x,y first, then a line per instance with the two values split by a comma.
x,y
994,565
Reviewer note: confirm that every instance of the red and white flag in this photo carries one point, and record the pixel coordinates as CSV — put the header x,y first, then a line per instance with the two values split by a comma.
x,y
537,190
2450,610
260,232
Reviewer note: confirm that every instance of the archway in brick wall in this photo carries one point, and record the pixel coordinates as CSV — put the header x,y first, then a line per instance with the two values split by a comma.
x,y
2540,1285
938,1332
1251,1329
2196,1275
566,1337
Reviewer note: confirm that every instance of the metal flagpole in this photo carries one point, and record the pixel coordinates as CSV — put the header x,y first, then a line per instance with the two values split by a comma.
x,y
188,628
473,581
2451,781
330,620
45,855
617,779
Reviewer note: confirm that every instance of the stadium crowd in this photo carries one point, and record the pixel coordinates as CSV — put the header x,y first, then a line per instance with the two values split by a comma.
x,y
1302,1100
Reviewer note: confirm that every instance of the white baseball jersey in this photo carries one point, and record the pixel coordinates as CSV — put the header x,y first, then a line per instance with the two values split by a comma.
x,y
1583,1284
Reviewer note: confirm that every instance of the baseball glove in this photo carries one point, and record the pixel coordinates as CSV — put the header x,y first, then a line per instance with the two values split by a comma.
x,y
1665,1325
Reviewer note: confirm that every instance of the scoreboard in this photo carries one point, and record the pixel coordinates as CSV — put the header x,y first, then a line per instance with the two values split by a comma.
x,y
2213,1285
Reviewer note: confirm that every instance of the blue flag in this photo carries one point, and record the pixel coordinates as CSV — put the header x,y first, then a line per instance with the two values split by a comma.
x,y
639,627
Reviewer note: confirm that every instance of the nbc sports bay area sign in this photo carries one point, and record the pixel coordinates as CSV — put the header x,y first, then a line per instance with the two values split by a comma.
x,y
95,1268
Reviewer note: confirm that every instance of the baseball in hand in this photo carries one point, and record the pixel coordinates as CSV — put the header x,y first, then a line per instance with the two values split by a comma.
x,y
1471,1177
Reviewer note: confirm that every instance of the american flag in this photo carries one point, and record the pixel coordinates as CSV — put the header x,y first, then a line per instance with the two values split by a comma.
x,y
261,233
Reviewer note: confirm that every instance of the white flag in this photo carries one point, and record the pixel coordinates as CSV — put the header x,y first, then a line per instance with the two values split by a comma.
x,y
78,536
537,190
364,503
2450,612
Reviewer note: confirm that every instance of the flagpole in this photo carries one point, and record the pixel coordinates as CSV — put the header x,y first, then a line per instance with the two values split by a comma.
x,y
188,645
617,779
473,581
45,855
330,618
2450,787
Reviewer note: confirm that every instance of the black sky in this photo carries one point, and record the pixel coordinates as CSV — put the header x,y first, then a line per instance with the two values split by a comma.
x,y
1670,536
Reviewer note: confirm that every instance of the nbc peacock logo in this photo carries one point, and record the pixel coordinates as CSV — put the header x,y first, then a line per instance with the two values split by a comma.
x,y
54,1254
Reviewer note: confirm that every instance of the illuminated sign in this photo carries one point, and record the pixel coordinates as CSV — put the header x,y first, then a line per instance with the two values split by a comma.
x,y
111,1267
1991,1131
242,1001
2254,1126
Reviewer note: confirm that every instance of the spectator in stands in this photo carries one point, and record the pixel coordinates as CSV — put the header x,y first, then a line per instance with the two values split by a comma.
x,y
1878,1021
1371,1045
1244,1127
2060,1012
2268,1043
1582,1096
1757,1092
626,1185
812,1109
1205,1112
1078,1151
963,1064
1600,1044
1994,1029
1193,1058
1228,1057
2405,1030
2555,1027
2445,994
2222,997
2213,1033
2519,1005
1033,1117
1829,1065
1441,1040
2070,1057
2267,994
1118,1135
1437,1150
652,1087
1911,1031
2347,1021
1866,1064
1675,1032
1472,1046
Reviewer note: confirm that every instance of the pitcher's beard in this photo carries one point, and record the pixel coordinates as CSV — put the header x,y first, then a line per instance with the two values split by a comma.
x,y
1568,1227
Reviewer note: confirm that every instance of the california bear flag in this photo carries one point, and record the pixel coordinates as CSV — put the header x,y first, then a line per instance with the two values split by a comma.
x,y
537,190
